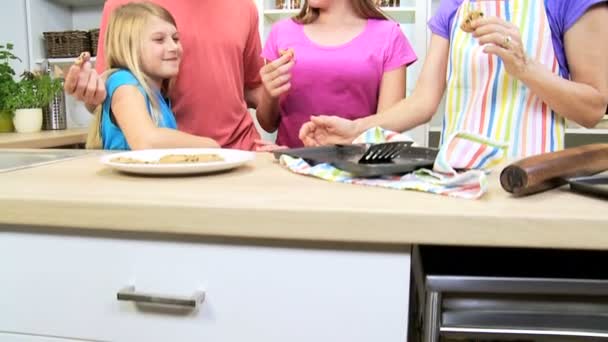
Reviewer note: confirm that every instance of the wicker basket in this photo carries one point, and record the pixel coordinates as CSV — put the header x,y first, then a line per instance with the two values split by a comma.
x,y
94,35
66,43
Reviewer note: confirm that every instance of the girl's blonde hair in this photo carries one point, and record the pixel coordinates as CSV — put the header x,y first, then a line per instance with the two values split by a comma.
x,y
365,9
122,50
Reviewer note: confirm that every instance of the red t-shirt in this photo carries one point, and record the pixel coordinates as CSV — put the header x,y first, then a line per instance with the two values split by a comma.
x,y
221,59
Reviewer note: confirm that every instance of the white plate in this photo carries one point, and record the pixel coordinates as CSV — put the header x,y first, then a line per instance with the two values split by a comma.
x,y
232,159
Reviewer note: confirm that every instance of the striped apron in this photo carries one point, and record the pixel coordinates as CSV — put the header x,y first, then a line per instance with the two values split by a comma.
x,y
483,98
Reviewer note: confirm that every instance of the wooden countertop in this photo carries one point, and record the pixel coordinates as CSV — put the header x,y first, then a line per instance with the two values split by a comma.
x,y
263,200
44,139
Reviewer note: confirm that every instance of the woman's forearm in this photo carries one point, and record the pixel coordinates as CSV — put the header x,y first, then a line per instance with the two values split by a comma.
x,y
577,102
267,112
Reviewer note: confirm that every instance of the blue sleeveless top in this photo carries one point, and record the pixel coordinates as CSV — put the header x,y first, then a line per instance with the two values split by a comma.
x,y
111,135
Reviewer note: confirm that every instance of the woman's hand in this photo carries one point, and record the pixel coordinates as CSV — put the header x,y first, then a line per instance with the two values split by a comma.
x,y
83,82
276,75
503,39
328,130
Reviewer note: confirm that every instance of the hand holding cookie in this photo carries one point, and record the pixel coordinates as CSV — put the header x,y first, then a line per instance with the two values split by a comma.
x,y
83,82
276,75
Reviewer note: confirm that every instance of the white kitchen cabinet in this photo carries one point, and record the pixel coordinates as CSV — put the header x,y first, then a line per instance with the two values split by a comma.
x,y
66,286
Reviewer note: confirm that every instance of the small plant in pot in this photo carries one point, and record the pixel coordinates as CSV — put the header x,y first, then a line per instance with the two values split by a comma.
x,y
33,92
8,86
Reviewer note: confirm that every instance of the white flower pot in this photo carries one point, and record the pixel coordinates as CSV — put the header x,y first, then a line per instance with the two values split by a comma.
x,y
28,120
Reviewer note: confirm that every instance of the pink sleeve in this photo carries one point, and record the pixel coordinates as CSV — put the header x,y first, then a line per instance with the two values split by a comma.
x,y
399,52
270,51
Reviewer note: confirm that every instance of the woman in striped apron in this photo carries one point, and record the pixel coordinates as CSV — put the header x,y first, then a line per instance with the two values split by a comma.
x,y
522,69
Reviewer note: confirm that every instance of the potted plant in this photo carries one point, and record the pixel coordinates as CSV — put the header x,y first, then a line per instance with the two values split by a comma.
x,y
32,93
7,87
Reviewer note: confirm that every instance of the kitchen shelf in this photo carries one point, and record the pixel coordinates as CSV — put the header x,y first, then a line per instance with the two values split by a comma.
x,y
401,14
587,131
61,60
79,3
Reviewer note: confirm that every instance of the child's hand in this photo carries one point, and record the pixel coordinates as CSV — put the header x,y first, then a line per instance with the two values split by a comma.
x,y
276,75
328,130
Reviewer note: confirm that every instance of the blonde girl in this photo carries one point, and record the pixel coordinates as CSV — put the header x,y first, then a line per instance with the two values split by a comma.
x,y
143,54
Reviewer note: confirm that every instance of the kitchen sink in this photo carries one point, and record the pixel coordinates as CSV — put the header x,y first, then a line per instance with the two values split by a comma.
x,y
14,159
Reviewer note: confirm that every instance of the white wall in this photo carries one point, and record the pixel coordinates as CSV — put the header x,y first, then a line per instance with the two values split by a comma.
x,y
46,16
13,29
86,18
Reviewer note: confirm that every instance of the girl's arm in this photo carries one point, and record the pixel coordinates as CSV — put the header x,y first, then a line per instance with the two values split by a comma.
x,y
584,98
392,88
267,111
418,108
131,113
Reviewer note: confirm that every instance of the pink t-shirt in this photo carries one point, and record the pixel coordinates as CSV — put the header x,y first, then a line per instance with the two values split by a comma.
x,y
221,60
342,80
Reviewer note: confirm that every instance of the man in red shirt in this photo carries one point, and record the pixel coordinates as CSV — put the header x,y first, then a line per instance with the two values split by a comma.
x,y
219,73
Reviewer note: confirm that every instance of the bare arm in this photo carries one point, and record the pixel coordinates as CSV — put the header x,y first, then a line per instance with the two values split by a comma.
x,y
131,113
267,112
584,98
392,88
418,108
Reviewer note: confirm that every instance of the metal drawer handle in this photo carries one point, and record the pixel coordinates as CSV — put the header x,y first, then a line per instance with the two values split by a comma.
x,y
129,294
537,332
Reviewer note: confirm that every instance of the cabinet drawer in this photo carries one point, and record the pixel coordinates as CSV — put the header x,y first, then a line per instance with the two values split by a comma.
x,y
67,286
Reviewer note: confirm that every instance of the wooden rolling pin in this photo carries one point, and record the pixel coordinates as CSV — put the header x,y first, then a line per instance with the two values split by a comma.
x,y
550,170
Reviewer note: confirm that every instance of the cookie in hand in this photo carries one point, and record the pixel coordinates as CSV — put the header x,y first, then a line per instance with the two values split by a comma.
x,y
83,56
468,20
288,51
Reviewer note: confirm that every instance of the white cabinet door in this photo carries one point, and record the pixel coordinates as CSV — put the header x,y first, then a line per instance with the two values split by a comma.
x,y
60,286
66,286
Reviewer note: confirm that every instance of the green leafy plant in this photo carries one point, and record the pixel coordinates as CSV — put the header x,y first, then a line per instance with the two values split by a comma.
x,y
34,91
8,85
